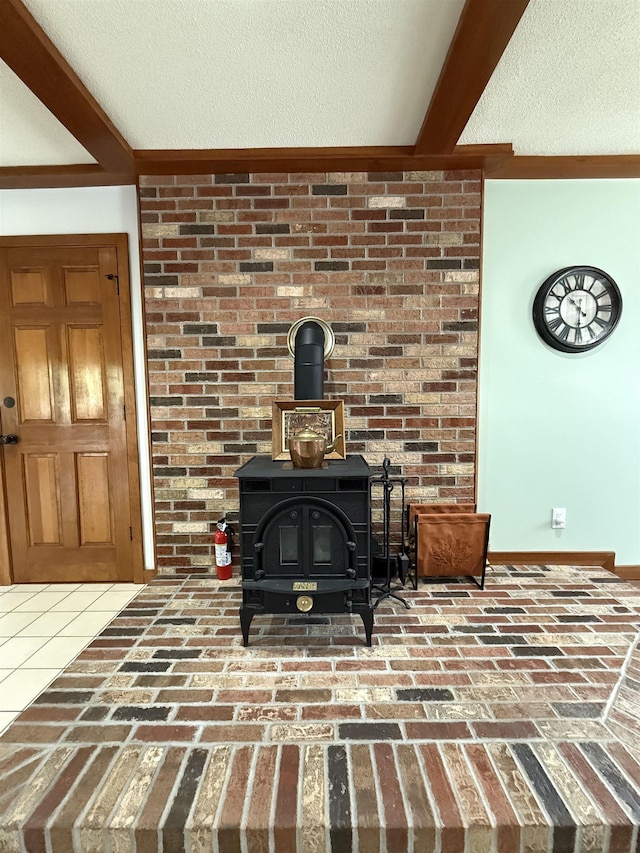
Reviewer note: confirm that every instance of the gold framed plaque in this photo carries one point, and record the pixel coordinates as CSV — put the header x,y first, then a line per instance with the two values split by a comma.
x,y
326,417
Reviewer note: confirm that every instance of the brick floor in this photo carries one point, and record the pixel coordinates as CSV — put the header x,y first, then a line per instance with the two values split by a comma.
x,y
495,721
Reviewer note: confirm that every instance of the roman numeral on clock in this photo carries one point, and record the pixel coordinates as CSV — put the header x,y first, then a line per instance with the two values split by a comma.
x,y
555,323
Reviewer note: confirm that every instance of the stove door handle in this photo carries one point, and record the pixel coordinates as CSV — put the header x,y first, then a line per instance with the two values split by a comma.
x,y
351,548
258,571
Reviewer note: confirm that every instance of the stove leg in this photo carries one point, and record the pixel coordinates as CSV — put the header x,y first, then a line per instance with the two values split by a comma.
x,y
246,615
367,621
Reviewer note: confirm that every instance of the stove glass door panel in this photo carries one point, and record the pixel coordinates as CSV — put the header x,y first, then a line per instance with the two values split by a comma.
x,y
327,544
305,542
289,551
320,544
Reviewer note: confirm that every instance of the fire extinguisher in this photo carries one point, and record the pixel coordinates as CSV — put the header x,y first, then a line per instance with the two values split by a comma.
x,y
223,552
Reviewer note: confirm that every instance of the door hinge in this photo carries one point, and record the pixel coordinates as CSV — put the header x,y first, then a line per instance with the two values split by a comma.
x,y
124,412
113,277
130,534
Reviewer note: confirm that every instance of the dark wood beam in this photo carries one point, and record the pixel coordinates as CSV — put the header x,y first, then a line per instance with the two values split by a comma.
x,y
39,177
594,166
33,57
482,34
357,159
496,161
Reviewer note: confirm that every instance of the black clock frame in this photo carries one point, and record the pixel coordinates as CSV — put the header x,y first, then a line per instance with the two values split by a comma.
x,y
539,320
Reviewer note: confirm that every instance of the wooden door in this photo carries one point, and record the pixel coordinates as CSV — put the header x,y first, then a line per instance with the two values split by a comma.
x,y
70,487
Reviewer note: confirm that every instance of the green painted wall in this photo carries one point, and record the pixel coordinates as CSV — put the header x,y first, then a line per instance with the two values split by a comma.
x,y
558,430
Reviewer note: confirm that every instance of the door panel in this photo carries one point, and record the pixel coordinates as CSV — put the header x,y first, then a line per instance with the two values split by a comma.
x,y
61,357
28,287
87,373
82,285
94,492
33,358
42,492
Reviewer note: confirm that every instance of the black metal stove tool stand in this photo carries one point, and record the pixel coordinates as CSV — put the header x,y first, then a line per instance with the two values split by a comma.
x,y
387,589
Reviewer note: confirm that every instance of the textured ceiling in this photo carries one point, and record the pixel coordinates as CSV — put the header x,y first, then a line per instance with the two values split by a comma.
x,y
29,134
256,73
567,83
189,74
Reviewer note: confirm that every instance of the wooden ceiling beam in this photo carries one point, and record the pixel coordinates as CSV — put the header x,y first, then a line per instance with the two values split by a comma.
x,y
483,32
496,161
280,160
566,167
44,177
33,57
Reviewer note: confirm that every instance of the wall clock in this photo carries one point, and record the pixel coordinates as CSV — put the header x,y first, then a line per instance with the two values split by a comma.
x,y
577,308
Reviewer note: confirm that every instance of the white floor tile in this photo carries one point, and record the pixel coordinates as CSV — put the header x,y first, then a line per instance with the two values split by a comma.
x,y
40,602
78,600
112,601
11,600
88,624
6,718
57,652
13,623
17,650
21,687
46,625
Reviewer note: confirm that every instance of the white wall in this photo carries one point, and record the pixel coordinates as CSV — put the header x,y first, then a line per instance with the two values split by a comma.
x,y
94,210
559,430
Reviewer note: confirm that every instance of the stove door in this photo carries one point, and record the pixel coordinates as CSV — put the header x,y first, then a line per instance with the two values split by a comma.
x,y
306,538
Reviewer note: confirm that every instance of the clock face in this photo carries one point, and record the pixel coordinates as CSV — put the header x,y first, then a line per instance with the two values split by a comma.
x,y
577,308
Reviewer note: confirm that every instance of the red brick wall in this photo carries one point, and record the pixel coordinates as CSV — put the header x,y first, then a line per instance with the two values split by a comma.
x,y
389,260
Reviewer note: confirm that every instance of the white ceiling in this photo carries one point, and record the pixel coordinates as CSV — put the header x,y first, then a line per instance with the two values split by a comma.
x,y
29,134
180,74
567,83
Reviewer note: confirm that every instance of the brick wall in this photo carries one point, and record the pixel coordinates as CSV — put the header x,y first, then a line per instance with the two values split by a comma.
x,y
389,260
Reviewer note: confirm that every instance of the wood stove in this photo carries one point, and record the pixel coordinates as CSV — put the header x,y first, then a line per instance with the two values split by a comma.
x,y
305,539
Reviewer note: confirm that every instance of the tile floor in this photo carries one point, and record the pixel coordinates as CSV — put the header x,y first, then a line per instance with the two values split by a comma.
x,y
42,629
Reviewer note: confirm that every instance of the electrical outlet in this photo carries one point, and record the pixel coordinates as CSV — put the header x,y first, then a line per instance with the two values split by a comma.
x,y
559,517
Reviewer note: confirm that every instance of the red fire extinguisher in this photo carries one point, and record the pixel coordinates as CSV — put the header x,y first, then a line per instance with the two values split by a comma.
x,y
223,554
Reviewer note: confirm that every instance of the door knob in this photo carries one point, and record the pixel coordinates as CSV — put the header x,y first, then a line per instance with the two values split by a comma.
x,y
9,439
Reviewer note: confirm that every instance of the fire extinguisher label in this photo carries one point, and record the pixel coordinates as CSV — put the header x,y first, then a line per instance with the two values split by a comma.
x,y
223,557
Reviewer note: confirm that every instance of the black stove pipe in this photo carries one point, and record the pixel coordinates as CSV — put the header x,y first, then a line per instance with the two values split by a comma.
x,y
308,371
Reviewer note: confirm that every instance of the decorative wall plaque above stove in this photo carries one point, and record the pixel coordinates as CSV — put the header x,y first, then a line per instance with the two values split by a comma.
x,y
304,539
